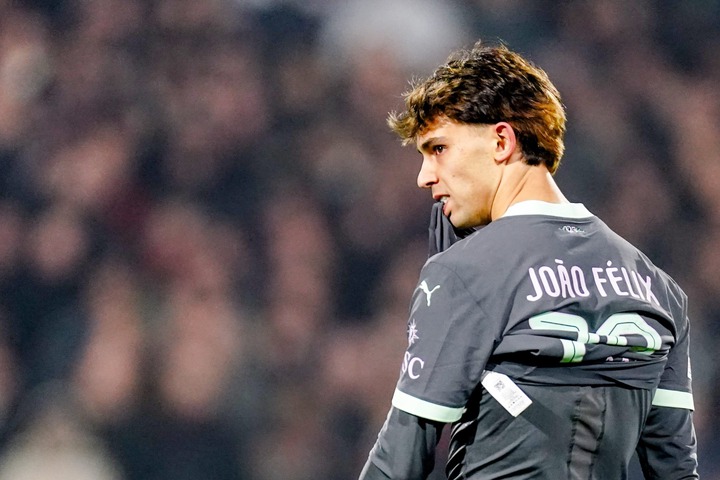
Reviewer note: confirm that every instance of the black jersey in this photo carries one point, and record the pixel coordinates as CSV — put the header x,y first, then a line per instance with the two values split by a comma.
x,y
543,299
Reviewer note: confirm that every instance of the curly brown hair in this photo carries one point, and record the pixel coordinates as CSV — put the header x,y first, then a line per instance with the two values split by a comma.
x,y
486,85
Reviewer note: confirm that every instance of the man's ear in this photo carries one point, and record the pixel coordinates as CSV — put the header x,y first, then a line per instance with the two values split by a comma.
x,y
506,142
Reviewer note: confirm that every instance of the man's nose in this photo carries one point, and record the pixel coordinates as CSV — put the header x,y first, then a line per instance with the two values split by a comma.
x,y
426,176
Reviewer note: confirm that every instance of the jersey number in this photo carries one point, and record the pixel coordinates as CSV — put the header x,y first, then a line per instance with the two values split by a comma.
x,y
621,329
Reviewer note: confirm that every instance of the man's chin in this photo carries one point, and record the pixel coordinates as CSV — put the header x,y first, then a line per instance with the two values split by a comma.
x,y
462,232
457,221
460,224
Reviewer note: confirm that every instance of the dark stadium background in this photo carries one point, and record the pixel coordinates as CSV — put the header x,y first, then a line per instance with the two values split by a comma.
x,y
209,238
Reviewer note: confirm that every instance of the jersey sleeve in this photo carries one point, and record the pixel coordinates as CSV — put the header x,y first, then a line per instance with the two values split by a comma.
x,y
449,342
405,448
668,446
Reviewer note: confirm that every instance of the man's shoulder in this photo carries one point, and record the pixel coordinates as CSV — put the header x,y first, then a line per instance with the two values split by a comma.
x,y
487,248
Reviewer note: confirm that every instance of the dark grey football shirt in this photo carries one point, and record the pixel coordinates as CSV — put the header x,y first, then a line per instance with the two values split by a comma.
x,y
578,320
547,294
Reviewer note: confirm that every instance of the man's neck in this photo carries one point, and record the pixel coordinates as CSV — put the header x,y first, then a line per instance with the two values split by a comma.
x,y
522,182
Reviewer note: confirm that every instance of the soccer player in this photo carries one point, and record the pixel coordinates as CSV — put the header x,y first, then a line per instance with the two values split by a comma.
x,y
554,347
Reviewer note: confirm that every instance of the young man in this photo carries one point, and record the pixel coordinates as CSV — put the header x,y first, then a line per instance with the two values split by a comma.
x,y
554,347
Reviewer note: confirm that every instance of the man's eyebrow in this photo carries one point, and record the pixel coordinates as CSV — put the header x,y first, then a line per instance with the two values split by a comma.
x,y
427,143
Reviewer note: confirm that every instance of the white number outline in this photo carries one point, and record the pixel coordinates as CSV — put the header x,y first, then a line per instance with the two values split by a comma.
x,y
615,330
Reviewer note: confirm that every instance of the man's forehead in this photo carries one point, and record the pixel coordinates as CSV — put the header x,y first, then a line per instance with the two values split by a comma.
x,y
444,127
431,128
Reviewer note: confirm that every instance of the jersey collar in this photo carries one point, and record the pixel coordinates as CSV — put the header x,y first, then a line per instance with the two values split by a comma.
x,y
538,207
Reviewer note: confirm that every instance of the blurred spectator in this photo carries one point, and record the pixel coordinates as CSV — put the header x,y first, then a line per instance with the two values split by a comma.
x,y
45,329
24,72
108,375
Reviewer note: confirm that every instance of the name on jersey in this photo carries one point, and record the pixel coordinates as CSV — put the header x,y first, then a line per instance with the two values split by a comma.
x,y
563,281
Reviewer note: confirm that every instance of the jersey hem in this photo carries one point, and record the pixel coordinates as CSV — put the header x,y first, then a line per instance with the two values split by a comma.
x,y
422,408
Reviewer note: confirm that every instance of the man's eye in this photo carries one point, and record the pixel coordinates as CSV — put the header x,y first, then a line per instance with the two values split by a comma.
x,y
438,149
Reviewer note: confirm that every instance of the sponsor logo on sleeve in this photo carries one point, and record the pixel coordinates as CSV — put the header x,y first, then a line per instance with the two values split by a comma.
x,y
428,291
412,365
412,333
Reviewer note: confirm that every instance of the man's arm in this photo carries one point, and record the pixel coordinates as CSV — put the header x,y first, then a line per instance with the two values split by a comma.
x,y
405,448
667,446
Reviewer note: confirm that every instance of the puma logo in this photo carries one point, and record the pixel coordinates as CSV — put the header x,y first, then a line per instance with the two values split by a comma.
x,y
428,293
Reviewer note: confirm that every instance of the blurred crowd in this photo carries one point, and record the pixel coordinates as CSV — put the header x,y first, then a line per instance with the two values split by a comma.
x,y
209,237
